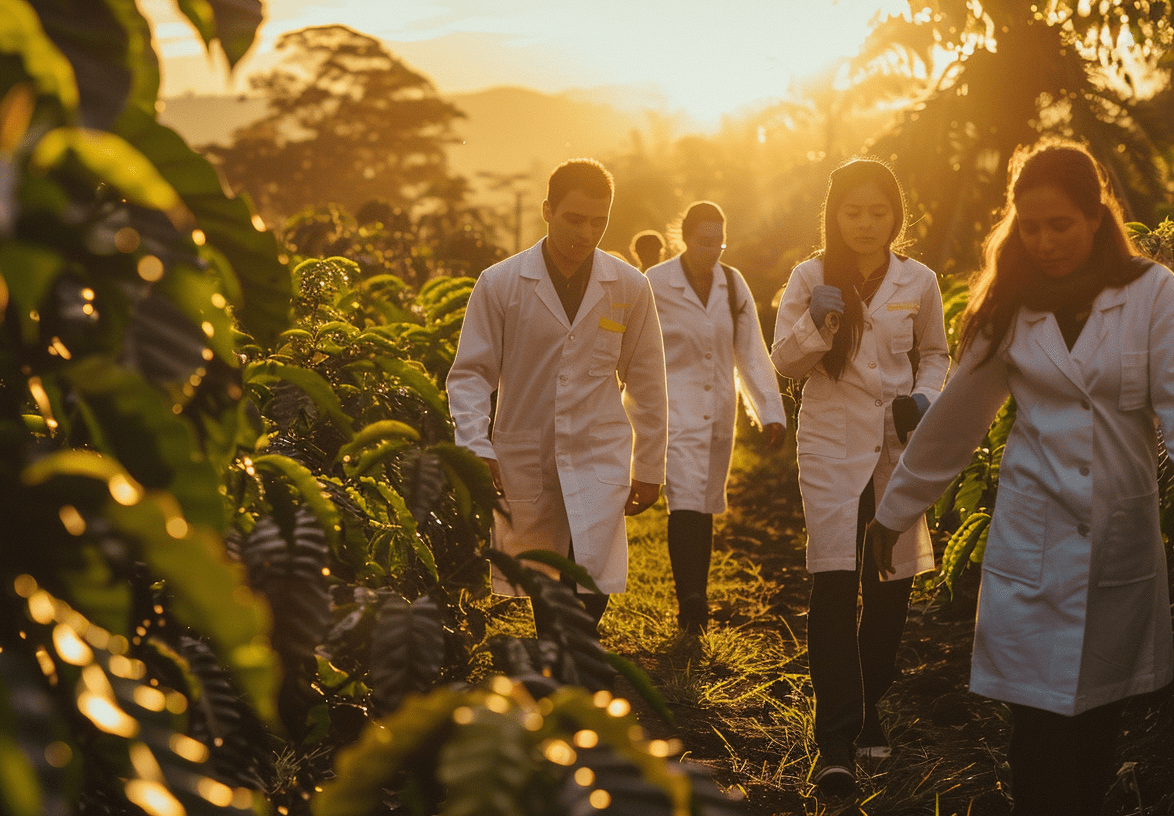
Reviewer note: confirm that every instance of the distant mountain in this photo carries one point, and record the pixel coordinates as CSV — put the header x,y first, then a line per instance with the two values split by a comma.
x,y
507,130
203,120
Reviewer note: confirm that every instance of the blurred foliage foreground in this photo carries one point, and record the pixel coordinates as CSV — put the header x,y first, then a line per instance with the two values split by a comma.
x,y
242,564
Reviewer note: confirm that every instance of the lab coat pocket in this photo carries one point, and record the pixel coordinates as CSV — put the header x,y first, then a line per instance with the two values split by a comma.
x,y
902,338
612,461
519,455
1015,547
1127,554
823,430
605,354
1134,380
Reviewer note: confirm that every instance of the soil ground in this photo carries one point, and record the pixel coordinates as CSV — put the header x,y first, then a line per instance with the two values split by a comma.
x,y
949,746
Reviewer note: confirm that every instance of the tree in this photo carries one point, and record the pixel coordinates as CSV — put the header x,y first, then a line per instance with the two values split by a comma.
x,y
347,123
982,78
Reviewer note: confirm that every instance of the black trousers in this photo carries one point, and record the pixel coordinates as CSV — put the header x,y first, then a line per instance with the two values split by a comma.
x,y
1062,765
852,655
690,539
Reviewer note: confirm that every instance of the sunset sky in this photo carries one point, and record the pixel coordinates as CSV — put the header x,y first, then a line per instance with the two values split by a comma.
x,y
706,58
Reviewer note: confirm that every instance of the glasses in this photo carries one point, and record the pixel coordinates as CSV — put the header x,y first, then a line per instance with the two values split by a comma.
x,y
711,245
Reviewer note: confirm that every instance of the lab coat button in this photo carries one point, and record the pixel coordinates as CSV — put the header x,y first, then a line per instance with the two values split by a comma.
x,y
708,387
880,402
572,337
872,364
1084,470
708,355
706,416
1082,529
877,449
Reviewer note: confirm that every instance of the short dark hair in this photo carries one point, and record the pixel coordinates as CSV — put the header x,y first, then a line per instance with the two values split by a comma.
x,y
700,212
587,175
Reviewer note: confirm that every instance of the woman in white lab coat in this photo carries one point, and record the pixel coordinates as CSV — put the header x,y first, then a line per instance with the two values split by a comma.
x,y
713,348
1074,612
852,320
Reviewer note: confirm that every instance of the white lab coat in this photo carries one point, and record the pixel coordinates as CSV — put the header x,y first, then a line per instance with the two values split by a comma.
x,y
700,360
581,407
845,435
1074,610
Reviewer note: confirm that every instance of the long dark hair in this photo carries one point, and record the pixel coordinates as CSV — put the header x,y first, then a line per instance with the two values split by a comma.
x,y
839,261
1009,278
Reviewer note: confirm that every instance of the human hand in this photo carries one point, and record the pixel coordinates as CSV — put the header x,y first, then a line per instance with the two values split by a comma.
x,y
774,434
826,302
495,472
922,403
882,540
642,496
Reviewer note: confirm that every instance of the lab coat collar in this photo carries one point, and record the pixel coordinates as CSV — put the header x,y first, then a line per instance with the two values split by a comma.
x,y
679,280
534,268
1046,331
899,273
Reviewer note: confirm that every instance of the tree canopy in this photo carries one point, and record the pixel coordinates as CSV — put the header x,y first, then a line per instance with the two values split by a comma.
x,y
347,123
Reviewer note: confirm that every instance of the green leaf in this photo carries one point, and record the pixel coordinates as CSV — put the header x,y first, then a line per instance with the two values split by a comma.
x,y
263,304
412,375
200,15
237,22
307,486
642,683
112,160
21,33
376,432
485,766
207,590
311,382
562,564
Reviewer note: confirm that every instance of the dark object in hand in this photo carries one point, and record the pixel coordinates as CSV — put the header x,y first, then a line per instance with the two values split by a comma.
x,y
906,415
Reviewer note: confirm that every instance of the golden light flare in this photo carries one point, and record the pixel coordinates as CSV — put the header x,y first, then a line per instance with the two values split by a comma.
x,y
24,585
42,608
190,749
71,520
71,648
599,799
584,777
177,527
198,237
149,698
145,764
150,268
619,707
497,704
219,301
586,739
127,239
154,798
462,715
128,668
215,792
559,752
37,390
106,715
59,349
124,491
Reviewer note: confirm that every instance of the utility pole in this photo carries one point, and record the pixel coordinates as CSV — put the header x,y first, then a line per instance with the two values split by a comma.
x,y
511,182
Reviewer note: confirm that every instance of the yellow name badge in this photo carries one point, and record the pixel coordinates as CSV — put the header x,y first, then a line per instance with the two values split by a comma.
x,y
610,325
909,305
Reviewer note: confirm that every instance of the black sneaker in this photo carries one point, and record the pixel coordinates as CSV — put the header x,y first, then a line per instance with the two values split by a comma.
x,y
835,780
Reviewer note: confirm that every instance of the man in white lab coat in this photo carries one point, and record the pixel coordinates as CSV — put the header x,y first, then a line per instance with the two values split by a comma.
x,y
568,337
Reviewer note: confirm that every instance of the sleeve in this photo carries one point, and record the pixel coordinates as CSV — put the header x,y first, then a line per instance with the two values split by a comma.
x,y
476,369
1161,354
946,438
642,372
933,349
798,343
756,376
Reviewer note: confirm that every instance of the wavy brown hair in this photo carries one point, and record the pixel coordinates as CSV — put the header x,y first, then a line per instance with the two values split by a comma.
x,y
1008,276
839,261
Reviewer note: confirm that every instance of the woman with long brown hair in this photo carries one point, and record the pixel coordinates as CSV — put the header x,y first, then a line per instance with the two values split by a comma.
x,y
1074,611
852,320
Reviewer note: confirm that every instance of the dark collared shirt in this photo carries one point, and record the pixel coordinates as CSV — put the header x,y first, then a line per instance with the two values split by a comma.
x,y
703,296
570,290
873,281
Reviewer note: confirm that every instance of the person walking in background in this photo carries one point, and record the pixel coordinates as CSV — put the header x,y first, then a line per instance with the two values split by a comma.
x,y
567,336
647,248
852,320
713,348
1074,610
